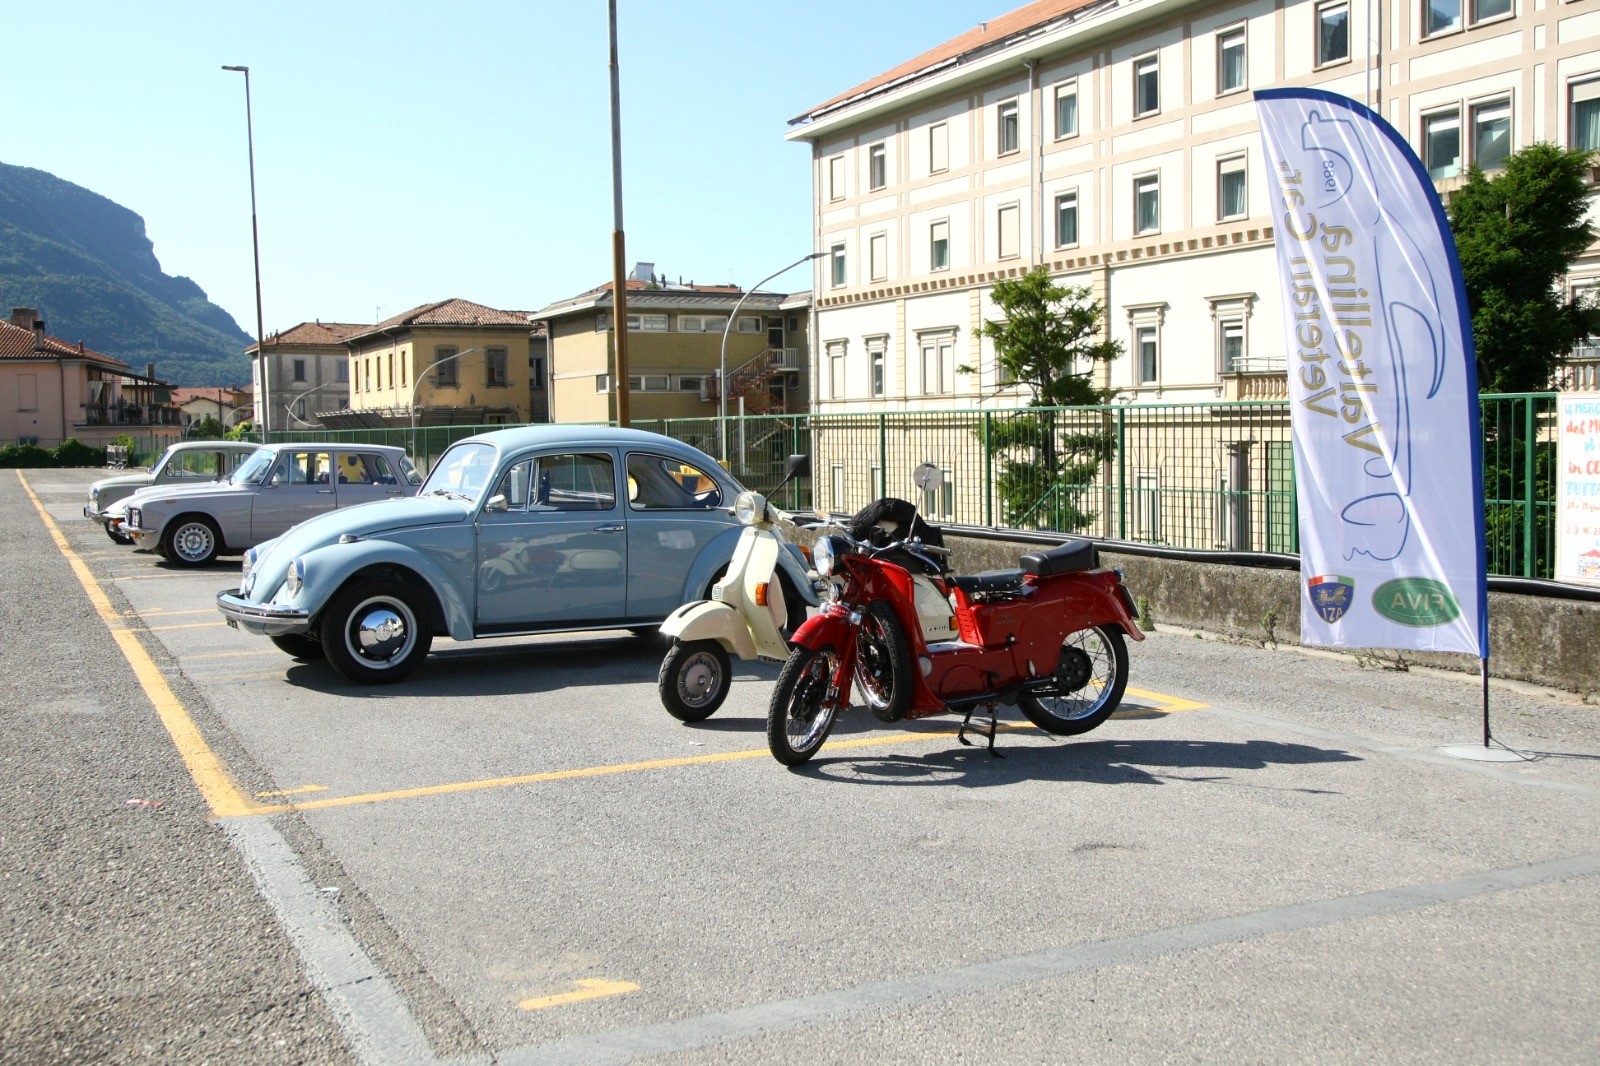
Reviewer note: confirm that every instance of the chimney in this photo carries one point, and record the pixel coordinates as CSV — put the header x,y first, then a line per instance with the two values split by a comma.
x,y
644,272
150,371
24,317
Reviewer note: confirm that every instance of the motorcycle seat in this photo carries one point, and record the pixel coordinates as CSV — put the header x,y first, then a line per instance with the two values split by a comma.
x,y
1065,558
988,582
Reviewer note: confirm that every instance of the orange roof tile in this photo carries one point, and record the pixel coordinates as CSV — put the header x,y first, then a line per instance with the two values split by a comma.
x,y
18,343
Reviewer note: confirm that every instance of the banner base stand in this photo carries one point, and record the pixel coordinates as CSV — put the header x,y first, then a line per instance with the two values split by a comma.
x,y
1480,753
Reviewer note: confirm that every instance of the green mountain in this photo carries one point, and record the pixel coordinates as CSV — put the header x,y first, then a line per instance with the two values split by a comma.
x,y
87,265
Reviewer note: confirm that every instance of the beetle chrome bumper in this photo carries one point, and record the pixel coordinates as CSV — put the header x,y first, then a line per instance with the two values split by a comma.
x,y
267,619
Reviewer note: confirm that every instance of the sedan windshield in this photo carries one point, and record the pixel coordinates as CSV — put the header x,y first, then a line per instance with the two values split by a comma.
x,y
463,471
254,469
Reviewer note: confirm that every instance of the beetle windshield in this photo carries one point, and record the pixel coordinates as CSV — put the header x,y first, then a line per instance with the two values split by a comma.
x,y
254,469
463,471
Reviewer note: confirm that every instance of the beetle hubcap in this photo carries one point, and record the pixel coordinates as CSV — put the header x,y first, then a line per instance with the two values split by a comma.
x,y
380,634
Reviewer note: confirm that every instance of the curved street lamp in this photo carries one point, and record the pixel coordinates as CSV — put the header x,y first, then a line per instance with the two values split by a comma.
x,y
289,407
411,393
722,374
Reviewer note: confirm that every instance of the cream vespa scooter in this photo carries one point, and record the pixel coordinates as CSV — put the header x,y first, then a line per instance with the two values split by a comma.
x,y
766,590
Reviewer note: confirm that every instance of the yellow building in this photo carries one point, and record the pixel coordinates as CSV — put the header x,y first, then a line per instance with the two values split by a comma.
x,y
448,363
675,351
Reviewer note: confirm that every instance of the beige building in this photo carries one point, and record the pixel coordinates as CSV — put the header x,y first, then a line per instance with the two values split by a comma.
x,y
51,391
308,368
676,352
1115,143
229,405
448,363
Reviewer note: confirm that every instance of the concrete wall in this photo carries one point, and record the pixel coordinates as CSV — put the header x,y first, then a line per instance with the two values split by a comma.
x,y
1550,642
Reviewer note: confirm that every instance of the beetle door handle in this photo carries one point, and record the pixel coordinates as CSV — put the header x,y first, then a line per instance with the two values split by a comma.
x,y
324,492
608,529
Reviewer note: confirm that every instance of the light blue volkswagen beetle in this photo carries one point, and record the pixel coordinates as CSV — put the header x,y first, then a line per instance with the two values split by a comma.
x,y
535,530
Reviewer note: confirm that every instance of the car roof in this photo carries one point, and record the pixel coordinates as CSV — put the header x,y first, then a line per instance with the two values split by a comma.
x,y
559,433
208,445
331,446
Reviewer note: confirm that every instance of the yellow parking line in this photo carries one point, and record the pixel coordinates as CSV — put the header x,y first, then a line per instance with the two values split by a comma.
x,y
589,988
1168,704
210,776
293,791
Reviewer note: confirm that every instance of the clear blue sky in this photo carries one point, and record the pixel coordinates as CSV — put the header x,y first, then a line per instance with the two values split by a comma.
x,y
410,152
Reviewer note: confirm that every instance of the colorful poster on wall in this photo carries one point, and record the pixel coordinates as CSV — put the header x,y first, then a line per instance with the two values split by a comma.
x,y
1578,488
1382,383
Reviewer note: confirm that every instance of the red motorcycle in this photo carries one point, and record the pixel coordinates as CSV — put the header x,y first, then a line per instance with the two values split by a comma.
x,y
1047,637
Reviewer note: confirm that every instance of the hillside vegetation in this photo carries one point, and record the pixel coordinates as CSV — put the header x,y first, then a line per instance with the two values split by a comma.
x,y
87,265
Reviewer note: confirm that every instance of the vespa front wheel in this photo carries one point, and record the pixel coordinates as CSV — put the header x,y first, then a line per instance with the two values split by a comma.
x,y
1087,685
694,679
801,714
883,663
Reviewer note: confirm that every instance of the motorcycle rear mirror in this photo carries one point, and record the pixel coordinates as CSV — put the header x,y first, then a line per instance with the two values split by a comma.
x,y
927,477
797,466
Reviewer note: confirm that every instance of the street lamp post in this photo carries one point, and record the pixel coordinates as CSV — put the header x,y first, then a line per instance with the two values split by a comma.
x,y
722,374
411,392
289,407
255,241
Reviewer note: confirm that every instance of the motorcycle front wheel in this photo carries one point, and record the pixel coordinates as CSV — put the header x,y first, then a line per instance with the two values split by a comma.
x,y
1087,686
883,663
800,717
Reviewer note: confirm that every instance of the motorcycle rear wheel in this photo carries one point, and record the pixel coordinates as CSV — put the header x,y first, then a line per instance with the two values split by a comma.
x,y
883,663
799,718
1091,678
694,679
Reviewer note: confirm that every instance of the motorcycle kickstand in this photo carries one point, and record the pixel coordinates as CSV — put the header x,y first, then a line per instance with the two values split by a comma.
x,y
966,723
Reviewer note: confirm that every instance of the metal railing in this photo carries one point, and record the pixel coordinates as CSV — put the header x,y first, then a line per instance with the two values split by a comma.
x,y
1210,476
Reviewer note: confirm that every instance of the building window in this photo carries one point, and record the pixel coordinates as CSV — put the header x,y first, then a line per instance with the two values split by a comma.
x,y
939,245
875,356
536,371
1230,60
1008,129
1584,131
877,166
836,370
1230,344
1232,199
341,372
938,364
380,373
1484,10
300,370
1067,109
496,364
602,383
1067,219
444,373
1146,346
1441,144
1440,16
836,259
1146,86
707,324
650,382
1146,505
1333,32
1009,225
1491,133
300,409
1147,203
878,256
938,148
836,178
939,502
749,324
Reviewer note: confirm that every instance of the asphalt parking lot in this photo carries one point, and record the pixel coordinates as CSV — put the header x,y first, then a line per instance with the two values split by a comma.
x,y
517,856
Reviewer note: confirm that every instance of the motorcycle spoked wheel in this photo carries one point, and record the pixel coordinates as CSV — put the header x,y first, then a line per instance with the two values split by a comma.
x,y
799,718
883,663
1088,683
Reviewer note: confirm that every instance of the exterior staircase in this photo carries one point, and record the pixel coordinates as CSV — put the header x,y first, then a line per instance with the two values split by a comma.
x,y
752,381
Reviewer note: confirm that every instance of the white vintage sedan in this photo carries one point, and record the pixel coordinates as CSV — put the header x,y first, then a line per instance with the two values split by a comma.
x,y
278,486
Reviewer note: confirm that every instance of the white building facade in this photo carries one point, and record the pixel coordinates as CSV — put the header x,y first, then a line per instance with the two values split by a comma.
x,y
1114,142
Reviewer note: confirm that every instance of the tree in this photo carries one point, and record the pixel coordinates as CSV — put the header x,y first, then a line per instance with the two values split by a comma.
x,y
1517,235
208,428
1049,340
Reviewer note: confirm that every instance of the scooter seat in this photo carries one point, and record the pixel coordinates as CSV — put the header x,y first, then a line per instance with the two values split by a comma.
x,y
988,582
1065,558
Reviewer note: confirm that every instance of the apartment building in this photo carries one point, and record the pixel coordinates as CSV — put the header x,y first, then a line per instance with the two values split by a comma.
x,y
1114,142
308,369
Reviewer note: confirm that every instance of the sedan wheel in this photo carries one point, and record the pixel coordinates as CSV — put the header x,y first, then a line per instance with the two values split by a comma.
x,y
191,541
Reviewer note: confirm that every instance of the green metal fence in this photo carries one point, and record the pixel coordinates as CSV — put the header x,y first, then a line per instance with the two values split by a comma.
x,y
1216,476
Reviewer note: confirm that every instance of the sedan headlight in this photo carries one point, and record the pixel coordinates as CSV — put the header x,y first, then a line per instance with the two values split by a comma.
x,y
134,516
296,577
826,553
749,507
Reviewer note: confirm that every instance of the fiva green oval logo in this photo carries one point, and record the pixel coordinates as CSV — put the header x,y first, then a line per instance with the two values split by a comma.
x,y
1416,601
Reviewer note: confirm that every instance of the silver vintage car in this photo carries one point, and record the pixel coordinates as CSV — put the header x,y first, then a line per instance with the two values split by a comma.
x,y
534,530
190,462
276,487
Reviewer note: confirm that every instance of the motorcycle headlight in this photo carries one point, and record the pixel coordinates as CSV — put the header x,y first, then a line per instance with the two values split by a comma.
x,y
295,578
826,554
748,508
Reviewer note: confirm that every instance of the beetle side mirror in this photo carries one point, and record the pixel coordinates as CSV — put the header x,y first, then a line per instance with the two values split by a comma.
x,y
497,503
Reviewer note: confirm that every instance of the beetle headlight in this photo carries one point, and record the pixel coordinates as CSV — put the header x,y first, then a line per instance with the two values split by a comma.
x,y
245,568
295,578
826,553
748,508
94,499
